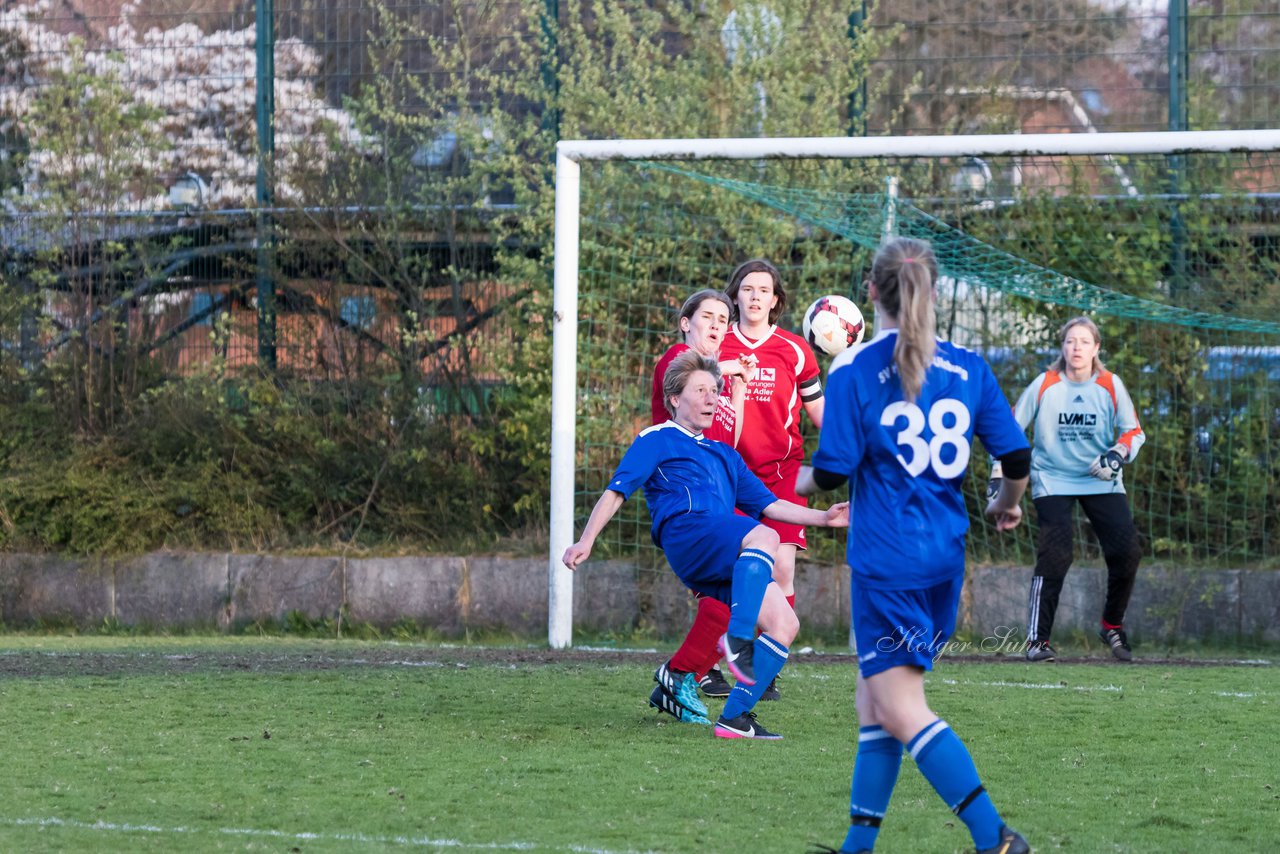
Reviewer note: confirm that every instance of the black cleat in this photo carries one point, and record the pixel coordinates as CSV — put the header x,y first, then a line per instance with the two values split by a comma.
x,y
744,725
714,684
1038,650
1119,643
664,701
737,654
819,848
771,693
682,686
1011,842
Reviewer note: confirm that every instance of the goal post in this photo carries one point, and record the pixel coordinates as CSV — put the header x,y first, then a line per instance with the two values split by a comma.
x,y
569,180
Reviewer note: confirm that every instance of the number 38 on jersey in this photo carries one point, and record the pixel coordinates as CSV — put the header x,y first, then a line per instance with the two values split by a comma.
x,y
946,452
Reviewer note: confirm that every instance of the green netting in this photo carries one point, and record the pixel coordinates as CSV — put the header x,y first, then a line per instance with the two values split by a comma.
x,y
1175,258
864,218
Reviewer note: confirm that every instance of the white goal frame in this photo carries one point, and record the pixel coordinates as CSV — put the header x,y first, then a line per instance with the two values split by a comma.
x,y
570,153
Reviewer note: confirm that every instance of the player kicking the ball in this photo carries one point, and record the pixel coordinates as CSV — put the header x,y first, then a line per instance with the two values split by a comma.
x,y
692,486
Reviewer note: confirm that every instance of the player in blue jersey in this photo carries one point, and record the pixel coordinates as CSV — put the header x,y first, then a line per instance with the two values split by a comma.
x,y
902,412
692,485
1086,430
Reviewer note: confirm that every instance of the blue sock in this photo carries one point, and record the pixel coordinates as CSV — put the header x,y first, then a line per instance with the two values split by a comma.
x,y
767,657
752,574
875,773
945,762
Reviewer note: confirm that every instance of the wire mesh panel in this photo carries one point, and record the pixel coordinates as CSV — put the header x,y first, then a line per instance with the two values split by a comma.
x,y
415,111
1071,66
357,195
1180,284
362,243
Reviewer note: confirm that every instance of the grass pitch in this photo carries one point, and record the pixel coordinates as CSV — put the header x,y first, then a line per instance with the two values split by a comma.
x,y
127,744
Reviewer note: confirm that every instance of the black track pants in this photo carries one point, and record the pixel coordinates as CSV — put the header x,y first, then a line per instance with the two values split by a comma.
x,y
1113,523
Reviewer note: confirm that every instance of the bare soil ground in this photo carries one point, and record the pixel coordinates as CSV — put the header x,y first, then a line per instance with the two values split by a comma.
x,y
26,664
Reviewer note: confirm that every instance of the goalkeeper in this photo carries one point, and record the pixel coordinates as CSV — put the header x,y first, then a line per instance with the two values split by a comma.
x,y
1086,431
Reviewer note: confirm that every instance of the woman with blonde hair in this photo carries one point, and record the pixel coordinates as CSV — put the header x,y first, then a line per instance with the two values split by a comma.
x,y
902,412
1086,431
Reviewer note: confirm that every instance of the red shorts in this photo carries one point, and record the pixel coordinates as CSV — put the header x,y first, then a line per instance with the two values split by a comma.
x,y
781,480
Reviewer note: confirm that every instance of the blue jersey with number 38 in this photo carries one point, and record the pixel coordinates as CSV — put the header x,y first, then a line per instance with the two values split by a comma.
x,y
906,461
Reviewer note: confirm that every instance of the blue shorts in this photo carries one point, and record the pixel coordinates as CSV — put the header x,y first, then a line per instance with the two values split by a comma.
x,y
897,628
702,550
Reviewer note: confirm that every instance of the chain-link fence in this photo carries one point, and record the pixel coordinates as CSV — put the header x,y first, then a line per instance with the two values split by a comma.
x,y
358,194
152,128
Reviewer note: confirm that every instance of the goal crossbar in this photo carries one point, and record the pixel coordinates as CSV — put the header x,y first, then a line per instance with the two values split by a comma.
x,y
569,154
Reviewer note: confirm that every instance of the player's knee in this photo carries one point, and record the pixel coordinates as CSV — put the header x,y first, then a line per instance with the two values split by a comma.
x,y
1133,555
789,626
1124,557
783,626
784,569
903,725
777,619
764,538
1054,562
904,719
713,610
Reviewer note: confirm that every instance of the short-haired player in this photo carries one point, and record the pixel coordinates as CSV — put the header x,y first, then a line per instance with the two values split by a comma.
x,y
692,486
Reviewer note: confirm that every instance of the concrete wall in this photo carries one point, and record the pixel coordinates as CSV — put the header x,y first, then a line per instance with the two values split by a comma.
x,y
453,595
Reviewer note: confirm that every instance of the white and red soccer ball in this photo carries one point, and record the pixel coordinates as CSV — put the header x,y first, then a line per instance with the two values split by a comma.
x,y
833,324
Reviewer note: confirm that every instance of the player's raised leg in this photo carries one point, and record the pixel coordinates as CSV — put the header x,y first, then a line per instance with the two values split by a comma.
x,y
767,654
752,575
778,628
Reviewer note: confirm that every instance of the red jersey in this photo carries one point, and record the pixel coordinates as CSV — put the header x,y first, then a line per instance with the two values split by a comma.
x,y
721,429
771,412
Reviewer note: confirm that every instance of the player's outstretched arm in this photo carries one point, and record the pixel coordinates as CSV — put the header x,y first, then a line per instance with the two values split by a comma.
x,y
604,510
835,516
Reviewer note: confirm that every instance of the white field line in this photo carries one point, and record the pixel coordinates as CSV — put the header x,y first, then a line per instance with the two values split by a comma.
x,y
1054,686
408,841
1035,686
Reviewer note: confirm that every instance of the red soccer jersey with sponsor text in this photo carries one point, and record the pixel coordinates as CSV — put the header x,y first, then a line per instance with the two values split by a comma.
x,y
771,412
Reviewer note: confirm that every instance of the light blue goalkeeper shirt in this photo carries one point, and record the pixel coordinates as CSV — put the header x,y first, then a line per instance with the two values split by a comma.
x,y
1075,423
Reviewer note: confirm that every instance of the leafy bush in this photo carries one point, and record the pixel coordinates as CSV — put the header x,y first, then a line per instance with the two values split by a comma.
x,y
257,465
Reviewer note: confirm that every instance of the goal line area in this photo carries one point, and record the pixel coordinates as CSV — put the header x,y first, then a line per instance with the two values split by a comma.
x,y
1170,241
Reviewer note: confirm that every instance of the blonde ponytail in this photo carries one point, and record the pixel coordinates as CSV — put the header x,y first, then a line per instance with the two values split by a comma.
x,y
904,272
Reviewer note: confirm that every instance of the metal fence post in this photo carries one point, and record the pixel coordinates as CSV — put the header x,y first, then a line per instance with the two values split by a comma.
x,y
266,108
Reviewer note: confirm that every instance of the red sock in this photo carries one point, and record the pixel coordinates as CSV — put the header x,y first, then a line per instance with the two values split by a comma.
x,y
791,600
698,653
1106,626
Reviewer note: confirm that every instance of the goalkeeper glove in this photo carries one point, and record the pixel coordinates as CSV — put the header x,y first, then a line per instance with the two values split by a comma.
x,y
993,485
1107,466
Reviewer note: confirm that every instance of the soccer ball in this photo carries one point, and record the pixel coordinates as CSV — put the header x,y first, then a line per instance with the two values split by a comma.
x,y
833,324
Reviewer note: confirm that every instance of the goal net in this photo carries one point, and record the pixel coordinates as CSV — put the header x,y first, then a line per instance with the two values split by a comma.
x,y
1170,242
